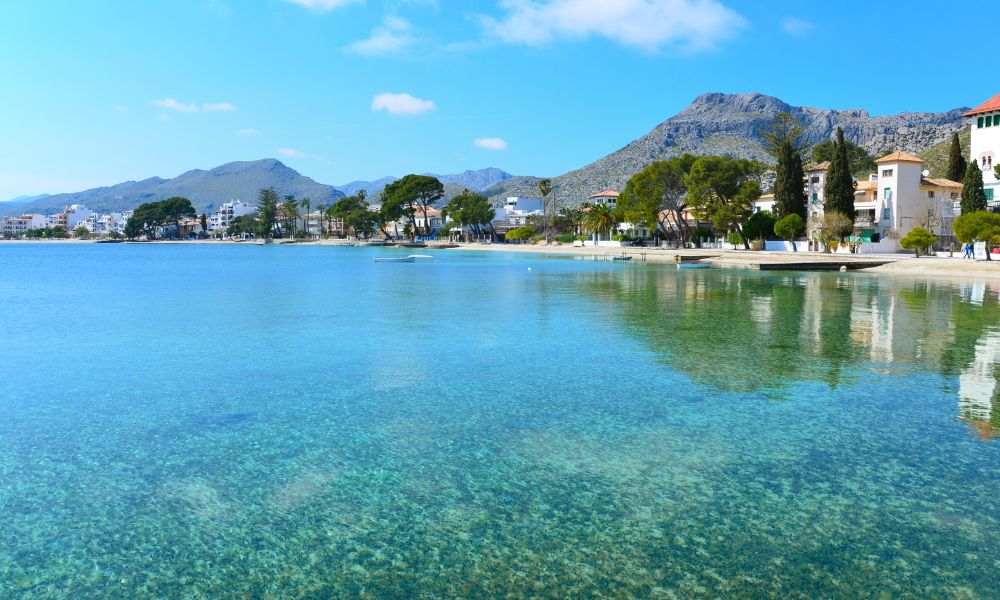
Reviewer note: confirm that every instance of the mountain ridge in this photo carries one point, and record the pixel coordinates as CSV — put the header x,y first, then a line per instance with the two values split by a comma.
x,y
731,125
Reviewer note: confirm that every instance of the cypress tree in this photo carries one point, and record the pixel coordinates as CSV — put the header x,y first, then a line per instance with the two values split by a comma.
x,y
799,196
956,160
783,181
973,195
838,191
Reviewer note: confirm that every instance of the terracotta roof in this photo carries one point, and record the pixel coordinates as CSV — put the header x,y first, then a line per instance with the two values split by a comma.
x,y
607,194
766,198
991,105
823,166
864,186
939,182
899,156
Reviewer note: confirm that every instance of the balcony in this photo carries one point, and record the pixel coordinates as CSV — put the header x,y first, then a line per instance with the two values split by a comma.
x,y
865,222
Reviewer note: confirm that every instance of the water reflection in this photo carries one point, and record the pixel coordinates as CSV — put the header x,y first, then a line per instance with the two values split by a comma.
x,y
762,333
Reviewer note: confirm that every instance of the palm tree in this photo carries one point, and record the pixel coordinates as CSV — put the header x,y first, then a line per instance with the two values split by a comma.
x,y
291,210
545,188
320,211
599,218
306,204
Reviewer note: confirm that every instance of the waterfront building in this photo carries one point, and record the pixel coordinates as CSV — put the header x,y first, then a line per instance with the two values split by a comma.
x,y
223,217
609,197
516,212
985,146
18,226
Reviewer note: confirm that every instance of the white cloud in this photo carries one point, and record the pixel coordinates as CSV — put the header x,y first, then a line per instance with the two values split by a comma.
x,y
291,153
249,132
323,5
796,27
393,35
171,104
646,24
402,105
491,143
218,106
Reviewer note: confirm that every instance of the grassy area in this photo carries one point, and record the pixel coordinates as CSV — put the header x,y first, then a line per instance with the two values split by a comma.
x,y
937,156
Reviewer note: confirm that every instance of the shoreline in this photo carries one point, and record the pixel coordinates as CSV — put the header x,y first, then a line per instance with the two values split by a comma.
x,y
937,267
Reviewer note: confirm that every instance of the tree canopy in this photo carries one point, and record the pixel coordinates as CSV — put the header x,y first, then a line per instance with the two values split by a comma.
x,y
859,162
723,190
839,189
978,226
918,239
956,160
410,195
656,195
267,211
973,193
789,227
782,141
472,210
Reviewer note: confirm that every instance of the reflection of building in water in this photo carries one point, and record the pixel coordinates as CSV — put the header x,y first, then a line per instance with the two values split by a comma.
x,y
872,322
977,386
973,292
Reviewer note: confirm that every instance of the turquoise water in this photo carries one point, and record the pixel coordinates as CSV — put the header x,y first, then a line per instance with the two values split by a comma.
x,y
281,422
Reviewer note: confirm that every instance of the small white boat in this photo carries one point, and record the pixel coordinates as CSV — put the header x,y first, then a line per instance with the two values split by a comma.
x,y
424,256
395,259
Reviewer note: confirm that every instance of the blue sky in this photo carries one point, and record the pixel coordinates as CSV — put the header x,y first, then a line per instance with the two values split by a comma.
x,y
100,92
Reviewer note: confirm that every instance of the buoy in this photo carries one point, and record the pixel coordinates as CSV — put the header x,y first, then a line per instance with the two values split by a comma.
x,y
843,268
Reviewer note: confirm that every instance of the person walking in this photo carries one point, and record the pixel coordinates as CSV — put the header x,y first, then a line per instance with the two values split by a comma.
x,y
970,251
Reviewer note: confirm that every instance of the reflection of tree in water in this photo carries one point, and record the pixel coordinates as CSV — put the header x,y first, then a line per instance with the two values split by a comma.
x,y
745,332
760,332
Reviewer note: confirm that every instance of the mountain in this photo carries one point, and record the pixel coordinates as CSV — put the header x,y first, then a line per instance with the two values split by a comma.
x,y
24,199
937,156
731,125
206,189
477,181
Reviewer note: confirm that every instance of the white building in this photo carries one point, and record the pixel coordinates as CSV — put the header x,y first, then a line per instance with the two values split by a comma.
x,y
985,147
609,197
17,226
516,211
223,217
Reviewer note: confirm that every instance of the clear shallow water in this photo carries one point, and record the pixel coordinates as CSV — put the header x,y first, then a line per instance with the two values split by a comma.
x,y
219,421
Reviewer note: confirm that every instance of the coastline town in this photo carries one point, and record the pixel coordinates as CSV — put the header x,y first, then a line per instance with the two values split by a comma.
x,y
896,197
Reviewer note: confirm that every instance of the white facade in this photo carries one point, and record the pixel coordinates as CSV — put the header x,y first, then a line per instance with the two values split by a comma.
x,y
223,217
516,211
18,226
76,216
985,146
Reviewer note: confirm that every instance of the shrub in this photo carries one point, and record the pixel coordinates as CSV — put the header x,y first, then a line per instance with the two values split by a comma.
x,y
735,239
917,239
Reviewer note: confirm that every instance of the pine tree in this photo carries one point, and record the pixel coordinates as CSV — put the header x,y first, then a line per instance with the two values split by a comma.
x,y
973,195
839,189
782,141
956,160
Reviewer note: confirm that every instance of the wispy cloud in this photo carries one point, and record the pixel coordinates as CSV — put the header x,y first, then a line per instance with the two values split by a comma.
x,y
650,25
191,107
171,104
491,143
795,26
291,153
323,5
393,35
218,106
249,132
402,105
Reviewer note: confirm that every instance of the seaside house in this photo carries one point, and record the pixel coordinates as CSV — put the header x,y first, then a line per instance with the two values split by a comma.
x,y
609,197
985,146
223,217
897,198
516,212
18,226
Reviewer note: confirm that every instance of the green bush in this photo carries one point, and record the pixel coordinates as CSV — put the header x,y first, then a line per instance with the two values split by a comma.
x,y
565,238
918,239
520,234
735,239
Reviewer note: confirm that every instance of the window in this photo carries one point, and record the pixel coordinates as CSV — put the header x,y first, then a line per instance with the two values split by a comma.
x,y
887,194
989,194
930,194
886,172
979,123
815,197
989,120
887,213
815,179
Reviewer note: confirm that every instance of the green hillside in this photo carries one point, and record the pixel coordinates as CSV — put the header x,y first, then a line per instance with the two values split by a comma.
x,y
937,155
